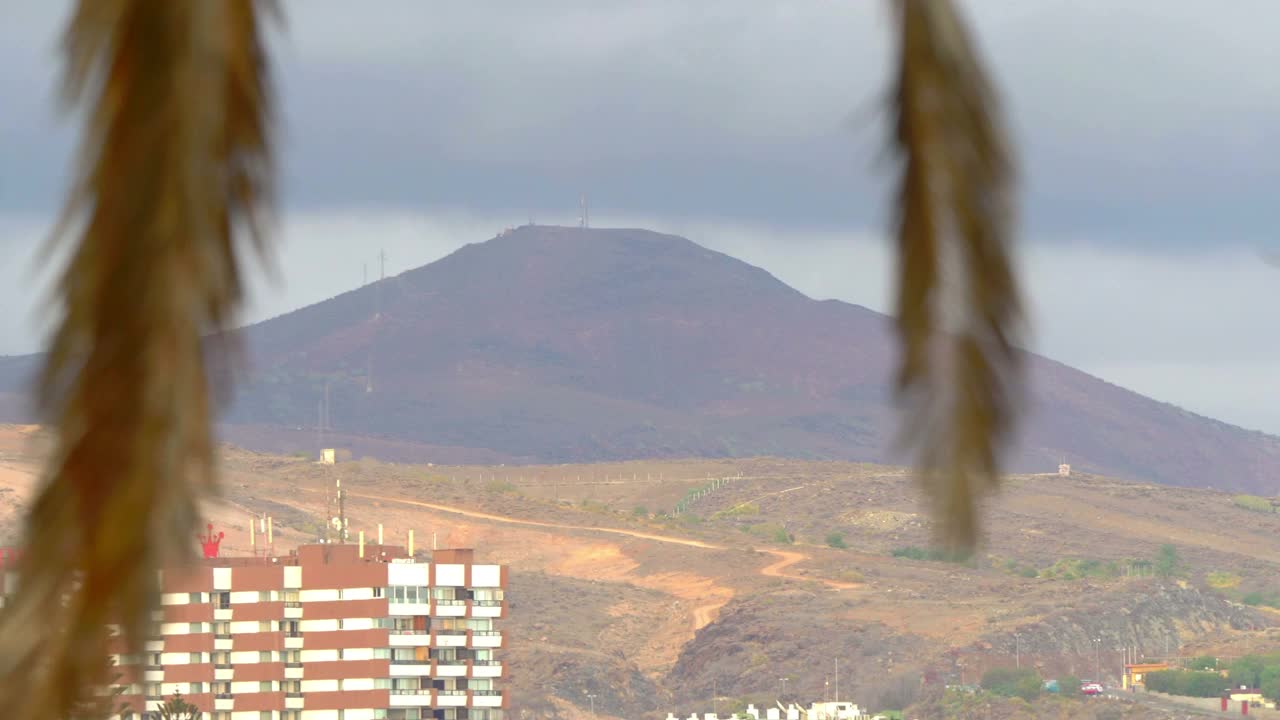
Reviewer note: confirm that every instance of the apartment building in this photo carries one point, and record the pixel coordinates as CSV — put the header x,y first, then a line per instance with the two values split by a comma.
x,y
328,632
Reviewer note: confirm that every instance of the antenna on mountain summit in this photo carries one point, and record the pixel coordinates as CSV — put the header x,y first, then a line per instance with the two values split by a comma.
x,y
584,219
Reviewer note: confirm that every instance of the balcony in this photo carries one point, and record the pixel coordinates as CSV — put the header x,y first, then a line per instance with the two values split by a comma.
x,y
410,698
293,665
293,694
292,604
222,666
451,638
486,639
486,698
222,636
222,696
451,669
292,633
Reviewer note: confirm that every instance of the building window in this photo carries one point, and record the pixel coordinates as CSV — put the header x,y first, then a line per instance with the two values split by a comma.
x,y
382,653
195,658
264,715
196,688
264,686
264,596
195,597
264,626
264,656
222,600
379,592
382,683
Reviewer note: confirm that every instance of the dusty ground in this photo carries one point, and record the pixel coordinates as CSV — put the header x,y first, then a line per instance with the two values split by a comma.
x,y
658,605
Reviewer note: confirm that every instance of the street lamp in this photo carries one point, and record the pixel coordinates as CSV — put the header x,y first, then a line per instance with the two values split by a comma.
x,y
592,698
1017,650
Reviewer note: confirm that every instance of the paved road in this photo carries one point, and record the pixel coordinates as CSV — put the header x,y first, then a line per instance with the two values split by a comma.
x,y
1172,709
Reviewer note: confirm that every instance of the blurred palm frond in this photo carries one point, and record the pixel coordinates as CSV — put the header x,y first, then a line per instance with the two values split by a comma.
x,y
958,306
174,167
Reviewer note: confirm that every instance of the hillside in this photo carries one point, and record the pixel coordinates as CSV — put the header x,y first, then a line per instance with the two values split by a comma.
x,y
553,344
668,611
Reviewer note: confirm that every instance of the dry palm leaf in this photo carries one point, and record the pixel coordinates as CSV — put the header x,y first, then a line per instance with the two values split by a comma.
x,y
174,167
958,302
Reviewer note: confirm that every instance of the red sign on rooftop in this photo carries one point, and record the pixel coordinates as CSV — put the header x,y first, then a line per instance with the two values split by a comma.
x,y
209,543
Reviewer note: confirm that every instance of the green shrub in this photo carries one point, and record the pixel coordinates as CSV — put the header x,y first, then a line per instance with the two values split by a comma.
x,y
1268,598
1222,580
1189,683
836,540
1167,562
1069,685
1253,502
782,536
1029,572
1204,662
640,511
911,552
1077,568
1010,682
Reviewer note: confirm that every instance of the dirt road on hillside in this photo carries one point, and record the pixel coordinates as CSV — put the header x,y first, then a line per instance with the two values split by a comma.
x,y
785,558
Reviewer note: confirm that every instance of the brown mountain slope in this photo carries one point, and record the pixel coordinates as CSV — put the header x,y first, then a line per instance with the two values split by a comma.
x,y
557,344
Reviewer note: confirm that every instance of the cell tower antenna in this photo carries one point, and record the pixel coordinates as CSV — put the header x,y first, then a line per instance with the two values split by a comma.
x,y
584,219
320,428
382,275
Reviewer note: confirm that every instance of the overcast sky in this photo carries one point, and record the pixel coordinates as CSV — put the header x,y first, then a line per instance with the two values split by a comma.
x,y
1147,133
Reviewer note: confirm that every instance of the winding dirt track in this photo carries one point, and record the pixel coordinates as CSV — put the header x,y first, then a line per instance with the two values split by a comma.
x,y
785,558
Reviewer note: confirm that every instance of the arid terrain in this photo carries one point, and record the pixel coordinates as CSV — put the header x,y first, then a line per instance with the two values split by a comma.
x,y
611,596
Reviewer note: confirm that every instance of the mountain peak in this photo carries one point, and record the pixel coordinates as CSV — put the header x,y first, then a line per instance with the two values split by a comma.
x,y
555,344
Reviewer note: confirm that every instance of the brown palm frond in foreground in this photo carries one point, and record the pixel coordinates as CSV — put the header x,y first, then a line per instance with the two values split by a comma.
x,y
958,302
174,167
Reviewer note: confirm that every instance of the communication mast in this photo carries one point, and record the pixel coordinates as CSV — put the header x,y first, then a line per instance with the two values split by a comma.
x,y
584,217
336,525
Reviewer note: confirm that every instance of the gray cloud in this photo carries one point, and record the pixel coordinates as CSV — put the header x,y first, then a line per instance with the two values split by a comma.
x,y
1149,120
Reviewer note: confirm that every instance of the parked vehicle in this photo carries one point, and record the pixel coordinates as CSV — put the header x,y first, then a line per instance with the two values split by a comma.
x,y
1091,688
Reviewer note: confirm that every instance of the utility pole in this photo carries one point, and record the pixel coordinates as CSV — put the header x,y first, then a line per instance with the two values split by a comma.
x,y
592,698
1017,650
1097,660
837,678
